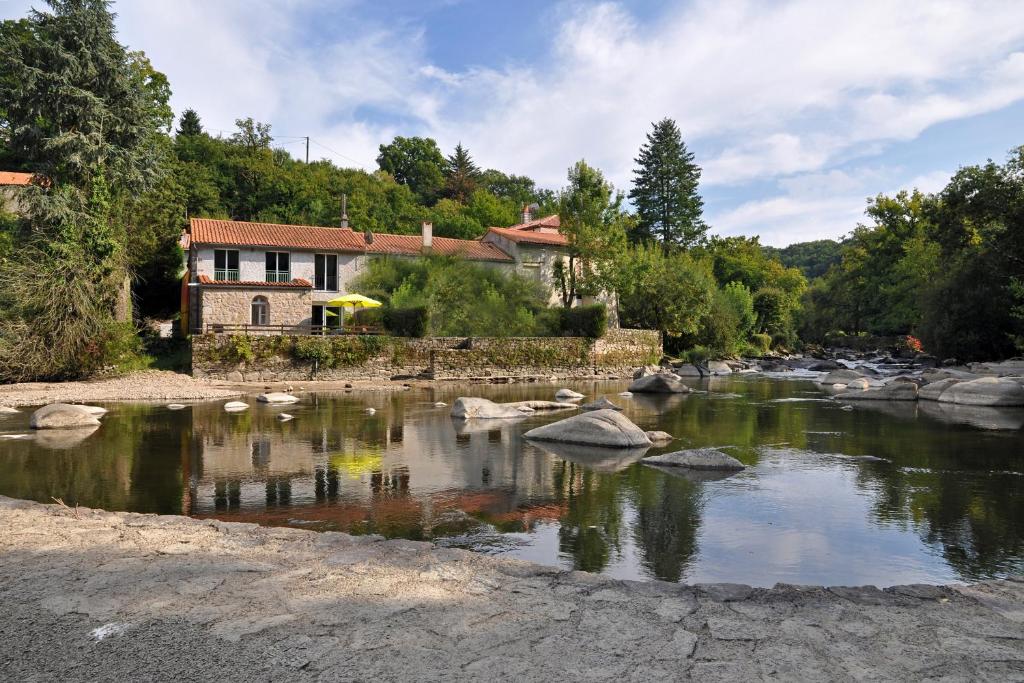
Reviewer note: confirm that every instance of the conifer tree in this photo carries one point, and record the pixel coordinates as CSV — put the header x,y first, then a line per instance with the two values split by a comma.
x,y
461,175
190,123
664,190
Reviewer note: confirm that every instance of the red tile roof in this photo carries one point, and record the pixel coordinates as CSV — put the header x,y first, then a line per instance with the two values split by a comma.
x,y
15,178
241,233
552,221
531,236
298,283
412,245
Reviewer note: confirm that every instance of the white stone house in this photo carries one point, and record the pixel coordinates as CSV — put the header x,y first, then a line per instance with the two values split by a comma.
x,y
276,278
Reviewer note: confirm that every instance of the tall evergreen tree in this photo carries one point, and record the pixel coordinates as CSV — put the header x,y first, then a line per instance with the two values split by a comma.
x,y
190,123
461,175
664,190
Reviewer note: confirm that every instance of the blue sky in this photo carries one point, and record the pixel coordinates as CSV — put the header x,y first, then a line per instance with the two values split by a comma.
x,y
798,110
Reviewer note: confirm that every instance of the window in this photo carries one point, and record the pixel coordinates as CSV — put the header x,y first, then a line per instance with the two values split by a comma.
x,y
327,316
278,268
260,311
325,277
225,264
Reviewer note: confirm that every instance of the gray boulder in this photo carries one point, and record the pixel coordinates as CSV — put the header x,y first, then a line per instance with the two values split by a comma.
x,y
568,394
63,416
662,383
277,397
532,406
688,370
860,384
646,370
607,428
825,366
896,391
660,437
840,377
468,408
719,367
600,404
696,459
987,391
933,390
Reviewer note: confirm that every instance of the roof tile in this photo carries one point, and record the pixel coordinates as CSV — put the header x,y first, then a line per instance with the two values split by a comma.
x,y
531,236
241,233
412,245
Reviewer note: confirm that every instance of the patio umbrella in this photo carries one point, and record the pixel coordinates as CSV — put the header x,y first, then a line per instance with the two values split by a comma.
x,y
354,301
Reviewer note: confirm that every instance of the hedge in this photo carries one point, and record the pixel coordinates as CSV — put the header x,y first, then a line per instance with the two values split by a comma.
x,y
584,321
407,322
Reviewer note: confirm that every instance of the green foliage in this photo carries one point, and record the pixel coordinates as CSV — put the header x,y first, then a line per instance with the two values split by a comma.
x,y
461,175
813,259
664,190
762,343
407,322
416,163
738,298
720,327
584,321
338,351
670,293
190,123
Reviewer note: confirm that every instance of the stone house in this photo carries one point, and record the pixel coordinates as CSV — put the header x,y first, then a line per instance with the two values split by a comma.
x,y
276,277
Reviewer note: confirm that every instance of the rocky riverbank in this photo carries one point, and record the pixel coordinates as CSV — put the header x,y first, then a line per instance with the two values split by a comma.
x,y
93,595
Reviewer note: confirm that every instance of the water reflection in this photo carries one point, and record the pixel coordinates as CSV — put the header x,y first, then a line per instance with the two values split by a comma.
x,y
940,499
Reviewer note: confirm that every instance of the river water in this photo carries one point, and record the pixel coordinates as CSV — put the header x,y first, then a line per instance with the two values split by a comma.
x,y
940,497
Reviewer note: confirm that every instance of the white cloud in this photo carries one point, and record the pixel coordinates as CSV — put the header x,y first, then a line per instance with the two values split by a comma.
x,y
776,95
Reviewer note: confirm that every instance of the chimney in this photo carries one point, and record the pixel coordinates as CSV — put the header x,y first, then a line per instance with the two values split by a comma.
x,y
344,210
528,210
428,237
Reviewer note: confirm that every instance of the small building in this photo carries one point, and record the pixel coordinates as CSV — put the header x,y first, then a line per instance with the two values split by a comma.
x,y
279,278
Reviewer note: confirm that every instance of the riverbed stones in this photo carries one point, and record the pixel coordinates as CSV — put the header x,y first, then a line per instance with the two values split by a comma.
x,y
646,370
607,428
987,391
600,404
471,407
533,406
659,437
63,416
843,376
235,406
688,370
859,384
719,367
284,417
895,391
933,390
661,383
697,459
176,406
4,410
568,395
277,397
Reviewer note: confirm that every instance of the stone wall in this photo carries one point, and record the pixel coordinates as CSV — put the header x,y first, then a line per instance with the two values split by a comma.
x,y
276,358
233,306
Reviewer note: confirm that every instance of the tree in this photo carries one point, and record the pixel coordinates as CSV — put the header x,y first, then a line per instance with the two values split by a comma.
x,y
252,135
190,124
87,114
416,162
594,224
664,190
461,175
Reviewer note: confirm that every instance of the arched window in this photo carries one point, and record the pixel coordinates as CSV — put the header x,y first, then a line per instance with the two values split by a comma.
x,y
260,311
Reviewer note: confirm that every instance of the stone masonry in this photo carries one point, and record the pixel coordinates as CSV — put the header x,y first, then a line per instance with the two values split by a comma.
x,y
233,306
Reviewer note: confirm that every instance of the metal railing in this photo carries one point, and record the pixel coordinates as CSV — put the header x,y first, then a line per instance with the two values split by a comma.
x,y
279,276
242,328
221,274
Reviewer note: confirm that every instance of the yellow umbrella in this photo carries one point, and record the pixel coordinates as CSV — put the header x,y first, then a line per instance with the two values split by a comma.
x,y
355,301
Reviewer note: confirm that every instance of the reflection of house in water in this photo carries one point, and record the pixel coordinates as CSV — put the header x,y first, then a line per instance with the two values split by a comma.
x,y
351,471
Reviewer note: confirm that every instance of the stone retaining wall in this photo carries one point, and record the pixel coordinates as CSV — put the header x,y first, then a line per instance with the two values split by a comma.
x,y
276,358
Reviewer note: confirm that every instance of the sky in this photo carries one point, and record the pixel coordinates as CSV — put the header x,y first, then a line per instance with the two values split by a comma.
x,y
797,110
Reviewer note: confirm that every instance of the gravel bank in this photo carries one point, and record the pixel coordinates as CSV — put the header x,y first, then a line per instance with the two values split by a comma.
x,y
151,385
93,595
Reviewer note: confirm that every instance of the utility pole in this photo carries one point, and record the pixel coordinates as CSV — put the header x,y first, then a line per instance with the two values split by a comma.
x,y
307,149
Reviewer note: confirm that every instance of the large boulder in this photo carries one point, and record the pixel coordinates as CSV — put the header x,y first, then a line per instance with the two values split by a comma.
x,y
600,404
568,395
607,428
859,384
696,459
277,397
843,376
895,391
468,408
662,383
825,366
63,416
719,367
987,391
933,390
688,370
647,370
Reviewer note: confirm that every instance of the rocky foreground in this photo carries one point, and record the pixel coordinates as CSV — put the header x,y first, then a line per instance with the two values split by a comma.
x,y
93,595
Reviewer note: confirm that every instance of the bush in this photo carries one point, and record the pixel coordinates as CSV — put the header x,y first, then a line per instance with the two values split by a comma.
x,y
761,342
367,317
720,327
696,355
313,349
407,322
584,321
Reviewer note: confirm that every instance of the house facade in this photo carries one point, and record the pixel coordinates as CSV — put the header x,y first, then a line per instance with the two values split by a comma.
x,y
245,275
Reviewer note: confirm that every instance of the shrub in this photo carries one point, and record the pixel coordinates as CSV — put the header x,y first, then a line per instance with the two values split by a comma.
x,y
720,326
698,354
367,317
585,321
313,349
407,322
761,342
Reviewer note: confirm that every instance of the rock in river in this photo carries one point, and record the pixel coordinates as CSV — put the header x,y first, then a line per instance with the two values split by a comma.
x,y
63,416
468,407
697,459
933,390
600,404
568,395
859,384
662,383
894,391
660,437
719,367
987,391
277,397
596,428
840,377
689,370
235,406
4,410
